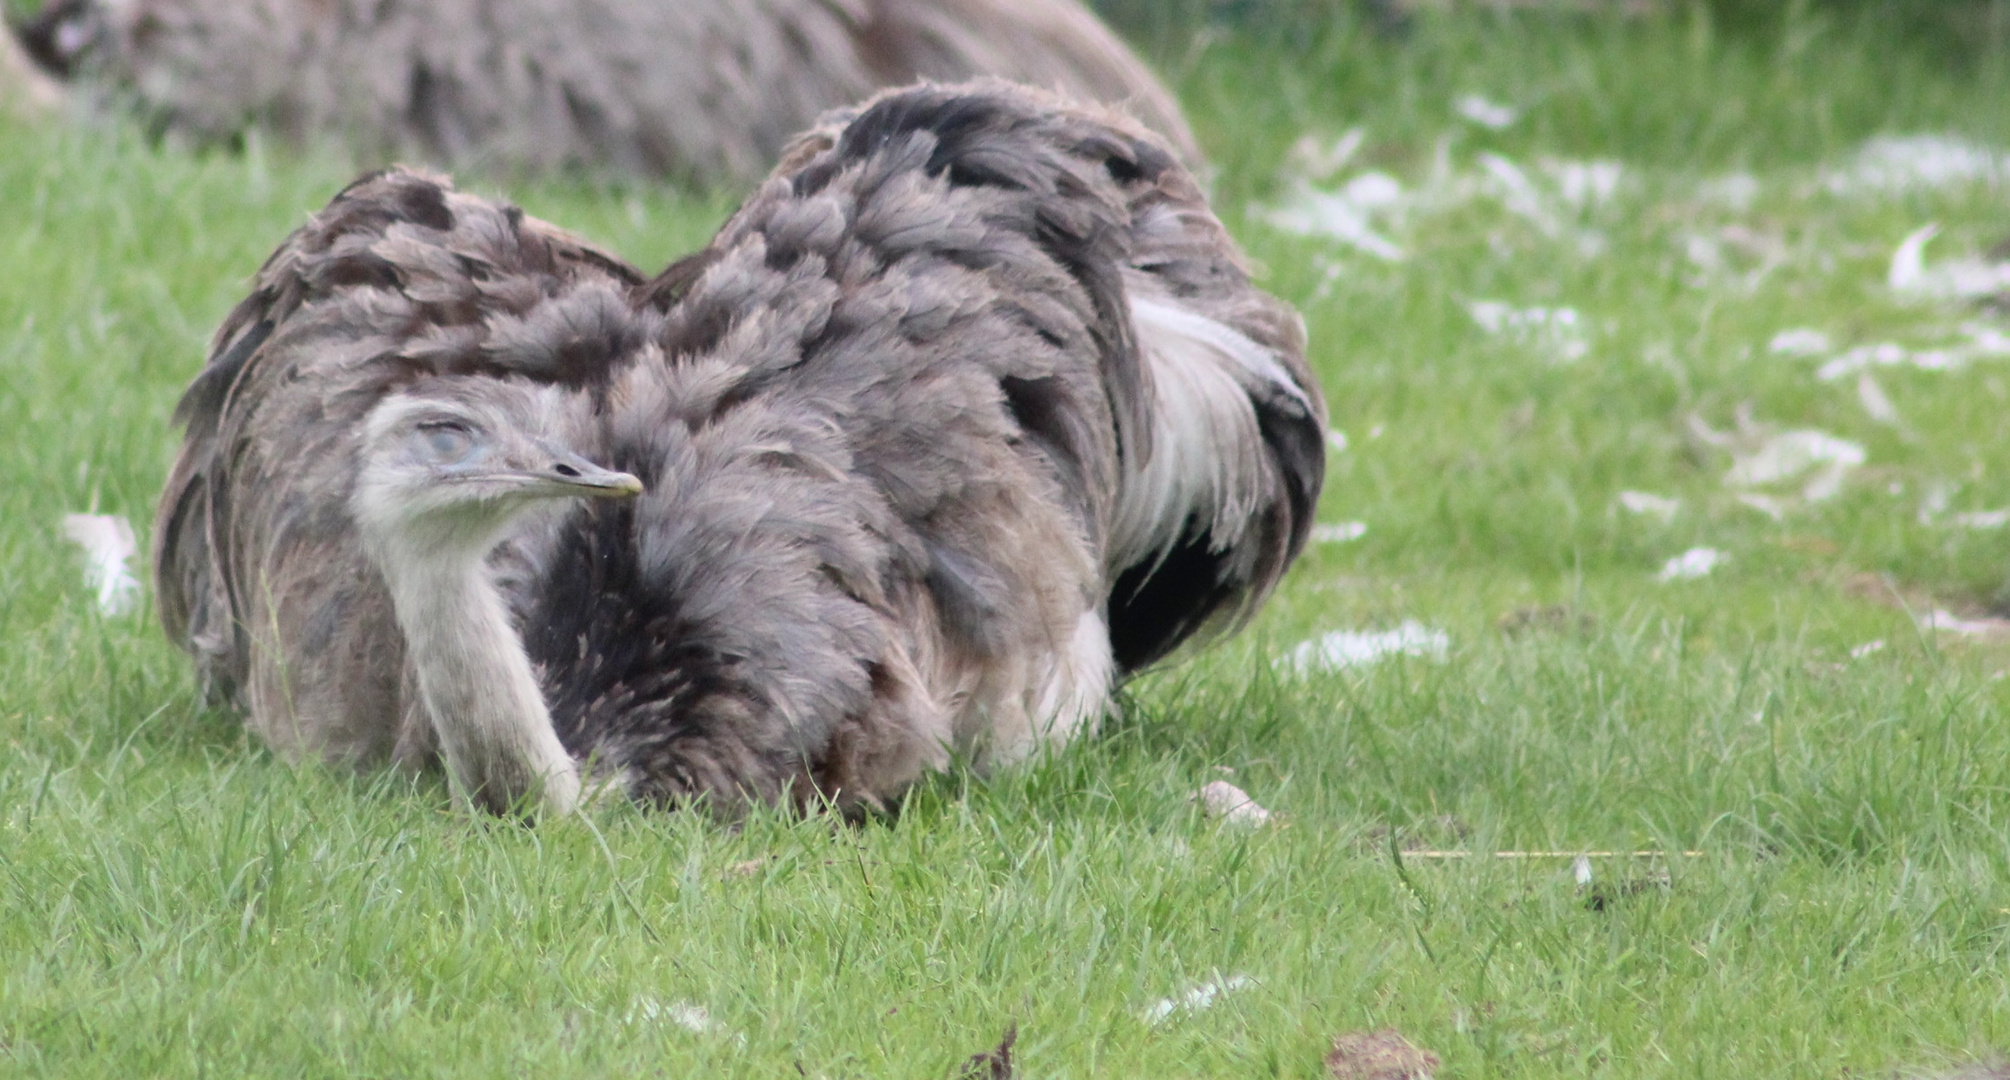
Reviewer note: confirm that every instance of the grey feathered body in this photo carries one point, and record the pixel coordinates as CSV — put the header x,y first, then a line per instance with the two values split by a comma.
x,y
896,426
701,89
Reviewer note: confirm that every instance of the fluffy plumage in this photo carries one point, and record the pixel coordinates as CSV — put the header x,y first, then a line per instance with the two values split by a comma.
x,y
695,89
970,411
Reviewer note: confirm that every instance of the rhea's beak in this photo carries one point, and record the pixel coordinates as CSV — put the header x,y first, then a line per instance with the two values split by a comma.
x,y
568,473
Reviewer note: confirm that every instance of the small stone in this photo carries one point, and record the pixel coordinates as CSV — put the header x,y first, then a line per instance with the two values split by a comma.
x,y
1231,804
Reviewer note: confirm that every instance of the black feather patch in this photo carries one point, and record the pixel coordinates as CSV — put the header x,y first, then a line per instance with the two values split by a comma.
x,y
203,401
1156,605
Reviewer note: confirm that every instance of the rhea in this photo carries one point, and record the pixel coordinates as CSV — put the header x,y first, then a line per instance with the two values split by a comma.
x,y
700,90
968,414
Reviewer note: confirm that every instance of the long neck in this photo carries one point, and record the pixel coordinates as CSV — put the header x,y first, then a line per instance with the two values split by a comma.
x,y
491,717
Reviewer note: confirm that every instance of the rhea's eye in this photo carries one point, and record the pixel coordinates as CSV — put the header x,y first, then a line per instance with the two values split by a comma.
x,y
446,443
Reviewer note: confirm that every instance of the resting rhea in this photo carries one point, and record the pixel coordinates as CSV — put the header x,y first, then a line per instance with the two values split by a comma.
x,y
706,90
968,413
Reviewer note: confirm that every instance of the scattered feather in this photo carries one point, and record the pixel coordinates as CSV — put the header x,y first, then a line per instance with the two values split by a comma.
x,y
1487,113
1693,563
1957,279
1985,340
1378,1055
1866,649
1197,999
1340,532
1888,354
692,1018
1941,619
1906,164
1313,158
1580,868
1584,184
1939,496
108,545
1764,504
1790,455
1347,215
1224,800
1800,341
1700,431
1359,648
1876,403
1519,195
1557,330
1735,191
1982,519
1659,507
1337,439
1369,211
1908,261
1703,252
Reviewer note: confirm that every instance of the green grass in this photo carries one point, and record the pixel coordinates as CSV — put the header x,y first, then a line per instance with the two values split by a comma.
x,y
175,901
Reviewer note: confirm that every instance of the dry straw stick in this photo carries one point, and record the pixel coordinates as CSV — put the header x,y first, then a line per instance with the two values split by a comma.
x,y
1545,854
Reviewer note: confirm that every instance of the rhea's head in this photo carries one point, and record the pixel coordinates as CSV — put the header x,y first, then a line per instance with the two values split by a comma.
x,y
447,467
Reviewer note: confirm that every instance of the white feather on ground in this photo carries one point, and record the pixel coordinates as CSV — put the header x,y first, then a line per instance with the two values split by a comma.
x,y
1339,532
1790,455
1487,113
1559,331
1351,215
1373,212
1982,519
1876,403
1902,164
1948,622
1231,804
1659,507
1356,648
1955,279
1693,563
1196,999
1800,341
108,546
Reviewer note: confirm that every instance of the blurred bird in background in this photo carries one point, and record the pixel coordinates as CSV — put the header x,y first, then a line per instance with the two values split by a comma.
x,y
703,91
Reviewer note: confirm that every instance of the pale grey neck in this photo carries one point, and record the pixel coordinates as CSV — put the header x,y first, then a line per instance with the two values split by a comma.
x,y
494,726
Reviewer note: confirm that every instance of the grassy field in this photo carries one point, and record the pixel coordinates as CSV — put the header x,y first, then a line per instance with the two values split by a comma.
x,y
1550,305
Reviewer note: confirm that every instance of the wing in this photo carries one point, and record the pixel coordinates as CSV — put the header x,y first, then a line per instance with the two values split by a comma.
x,y
1206,494
398,278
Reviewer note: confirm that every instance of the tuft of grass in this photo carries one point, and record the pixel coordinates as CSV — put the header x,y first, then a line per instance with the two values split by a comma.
x,y
175,901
